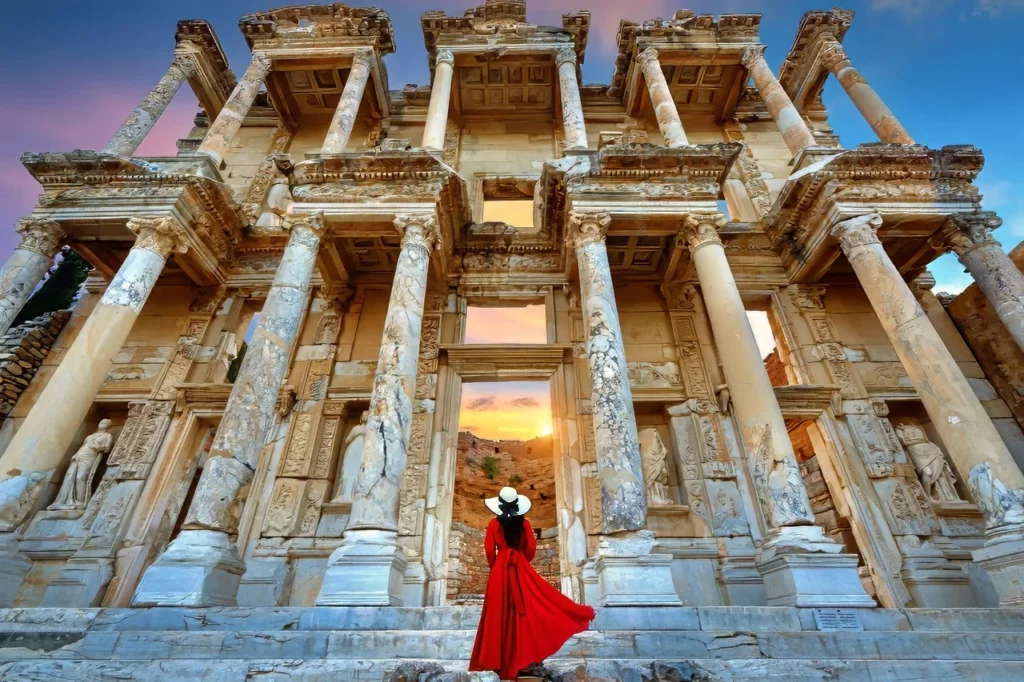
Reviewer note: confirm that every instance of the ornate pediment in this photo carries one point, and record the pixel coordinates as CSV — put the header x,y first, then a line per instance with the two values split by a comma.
x,y
214,83
300,23
801,75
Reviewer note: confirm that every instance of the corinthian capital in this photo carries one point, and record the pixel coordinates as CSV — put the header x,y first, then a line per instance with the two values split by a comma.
x,y
832,55
312,221
259,66
565,54
418,229
648,57
444,57
160,234
40,236
752,56
859,231
587,228
700,229
363,58
965,231
185,64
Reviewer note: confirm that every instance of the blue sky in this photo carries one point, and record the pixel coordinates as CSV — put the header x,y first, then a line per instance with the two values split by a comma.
x,y
949,69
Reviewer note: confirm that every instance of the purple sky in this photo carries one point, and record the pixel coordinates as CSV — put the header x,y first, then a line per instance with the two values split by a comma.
x,y
949,69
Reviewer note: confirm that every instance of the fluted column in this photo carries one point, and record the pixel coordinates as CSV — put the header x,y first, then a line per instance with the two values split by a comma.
x,y
369,565
661,99
236,108
623,495
40,241
440,100
572,107
867,101
39,446
974,445
969,235
794,131
345,114
202,566
128,138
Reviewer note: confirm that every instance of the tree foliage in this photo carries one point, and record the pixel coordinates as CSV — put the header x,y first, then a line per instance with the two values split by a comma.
x,y
60,288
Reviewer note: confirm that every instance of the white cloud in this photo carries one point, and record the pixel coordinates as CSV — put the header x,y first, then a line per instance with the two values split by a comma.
x,y
994,8
909,8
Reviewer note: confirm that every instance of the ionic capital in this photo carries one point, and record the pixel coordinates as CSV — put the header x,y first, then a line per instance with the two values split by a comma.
x,y
858,231
314,222
587,227
444,57
701,229
647,58
565,54
40,236
833,55
160,234
752,56
363,58
418,229
966,231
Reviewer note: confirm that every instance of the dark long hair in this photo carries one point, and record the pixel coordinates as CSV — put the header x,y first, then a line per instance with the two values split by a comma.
x,y
511,523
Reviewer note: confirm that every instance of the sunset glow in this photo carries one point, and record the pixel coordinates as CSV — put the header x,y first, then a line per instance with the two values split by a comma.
x,y
527,324
511,410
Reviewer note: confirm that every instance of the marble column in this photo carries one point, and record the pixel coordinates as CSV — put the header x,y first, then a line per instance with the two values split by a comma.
x,y
623,494
661,99
867,101
202,567
40,445
128,138
369,566
440,100
40,241
236,108
972,441
345,114
572,107
800,566
794,131
629,572
969,235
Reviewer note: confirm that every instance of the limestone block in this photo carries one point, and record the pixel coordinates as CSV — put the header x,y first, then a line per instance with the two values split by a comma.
x,y
814,580
200,567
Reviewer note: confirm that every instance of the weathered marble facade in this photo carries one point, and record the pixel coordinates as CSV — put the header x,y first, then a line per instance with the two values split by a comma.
x,y
336,229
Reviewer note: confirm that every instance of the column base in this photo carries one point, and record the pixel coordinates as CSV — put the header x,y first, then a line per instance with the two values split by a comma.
x,y
628,574
82,583
1003,562
801,567
367,570
14,568
200,568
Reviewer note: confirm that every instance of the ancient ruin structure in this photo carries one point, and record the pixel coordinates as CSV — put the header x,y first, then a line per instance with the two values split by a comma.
x,y
717,515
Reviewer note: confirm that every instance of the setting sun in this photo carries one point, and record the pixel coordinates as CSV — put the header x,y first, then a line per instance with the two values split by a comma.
x,y
545,430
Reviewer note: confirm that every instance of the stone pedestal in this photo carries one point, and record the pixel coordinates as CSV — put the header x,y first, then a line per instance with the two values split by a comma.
x,y
1004,564
373,574
367,570
345,114
40,240
801,567
863,96
134,130
572,109
629,574
937,583
200,568
81,583
440,101
661,99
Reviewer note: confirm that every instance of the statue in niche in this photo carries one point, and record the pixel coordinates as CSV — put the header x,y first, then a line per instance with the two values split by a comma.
x,y
278,203
932,469
654,457
351,458
76,489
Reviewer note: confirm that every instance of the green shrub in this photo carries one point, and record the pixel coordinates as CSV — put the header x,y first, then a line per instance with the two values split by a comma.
x,y
515,479
489,465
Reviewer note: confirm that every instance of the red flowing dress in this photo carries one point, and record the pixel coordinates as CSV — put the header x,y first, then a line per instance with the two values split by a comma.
x,y
524,619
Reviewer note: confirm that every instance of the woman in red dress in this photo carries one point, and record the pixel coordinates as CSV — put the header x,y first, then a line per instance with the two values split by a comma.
x,y
524,619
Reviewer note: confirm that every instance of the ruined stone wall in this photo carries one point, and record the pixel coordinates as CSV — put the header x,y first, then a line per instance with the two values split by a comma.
x,y
22,351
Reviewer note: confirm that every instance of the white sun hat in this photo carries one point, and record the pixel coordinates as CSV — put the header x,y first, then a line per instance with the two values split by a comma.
x,y
508,495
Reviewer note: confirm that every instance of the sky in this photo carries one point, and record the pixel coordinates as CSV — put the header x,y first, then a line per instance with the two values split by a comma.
x,y
507,410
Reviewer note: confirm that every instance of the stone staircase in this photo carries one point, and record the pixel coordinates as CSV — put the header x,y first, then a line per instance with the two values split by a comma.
x,y
629,644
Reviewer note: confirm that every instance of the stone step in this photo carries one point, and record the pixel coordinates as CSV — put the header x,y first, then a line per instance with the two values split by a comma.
x,y
456,645
715,619
327,670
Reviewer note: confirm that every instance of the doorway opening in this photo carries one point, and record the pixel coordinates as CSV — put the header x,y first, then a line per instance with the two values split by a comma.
x,y
771,341
505,439
507,325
